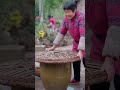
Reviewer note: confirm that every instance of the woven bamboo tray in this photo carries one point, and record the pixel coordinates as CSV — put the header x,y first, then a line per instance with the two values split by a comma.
x,y
20,73
93,74
64,56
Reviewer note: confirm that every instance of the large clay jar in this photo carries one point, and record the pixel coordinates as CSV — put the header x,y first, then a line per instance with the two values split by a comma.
x,y
55,68
55,76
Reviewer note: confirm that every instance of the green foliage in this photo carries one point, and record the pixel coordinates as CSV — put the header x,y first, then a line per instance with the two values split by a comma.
x,y
13,19
7,7
50,38
39,27
58,23
49,7
36,7
13,14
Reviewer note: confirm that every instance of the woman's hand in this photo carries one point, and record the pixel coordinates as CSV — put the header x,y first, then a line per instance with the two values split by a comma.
x,y
52,48
80,54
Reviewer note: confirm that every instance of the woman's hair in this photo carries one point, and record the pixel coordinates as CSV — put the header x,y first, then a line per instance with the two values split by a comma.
x,y
70,5
49,16
76,1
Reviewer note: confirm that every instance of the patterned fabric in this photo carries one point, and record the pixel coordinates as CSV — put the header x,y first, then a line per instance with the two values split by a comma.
x,y
100,16
76,28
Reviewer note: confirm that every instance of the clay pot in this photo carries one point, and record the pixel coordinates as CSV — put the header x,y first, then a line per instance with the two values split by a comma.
x,y
37,71
55,68
55,76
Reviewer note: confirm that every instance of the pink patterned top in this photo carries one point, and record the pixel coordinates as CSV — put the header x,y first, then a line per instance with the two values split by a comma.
x,y
76,28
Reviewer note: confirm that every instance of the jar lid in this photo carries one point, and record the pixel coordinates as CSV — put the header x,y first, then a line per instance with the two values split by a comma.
x,y
64,56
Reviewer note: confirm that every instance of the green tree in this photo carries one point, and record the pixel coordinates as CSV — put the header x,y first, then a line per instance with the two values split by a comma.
x,y
36,7
49,6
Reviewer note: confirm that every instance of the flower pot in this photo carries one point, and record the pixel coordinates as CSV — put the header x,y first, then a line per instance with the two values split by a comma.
x,y
37,71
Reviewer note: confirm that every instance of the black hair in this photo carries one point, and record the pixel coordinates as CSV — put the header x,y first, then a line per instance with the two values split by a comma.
x,y
76,2
70,5
49,16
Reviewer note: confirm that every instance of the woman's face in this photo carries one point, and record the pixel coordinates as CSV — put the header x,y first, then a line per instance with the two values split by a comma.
x,y
69,14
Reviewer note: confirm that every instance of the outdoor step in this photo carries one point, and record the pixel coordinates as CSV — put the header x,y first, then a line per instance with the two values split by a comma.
x,y
39,48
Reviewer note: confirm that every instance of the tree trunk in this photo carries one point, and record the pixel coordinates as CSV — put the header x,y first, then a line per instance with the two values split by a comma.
x,y
41,10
